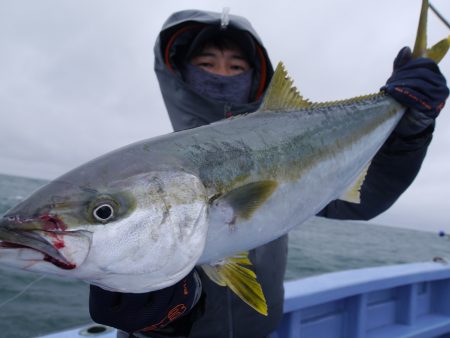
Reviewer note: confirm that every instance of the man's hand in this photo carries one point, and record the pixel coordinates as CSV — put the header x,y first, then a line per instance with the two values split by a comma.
x,y
420,86
132,312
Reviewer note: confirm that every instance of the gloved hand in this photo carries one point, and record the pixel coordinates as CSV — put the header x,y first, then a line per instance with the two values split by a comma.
x,y
132,312
420,86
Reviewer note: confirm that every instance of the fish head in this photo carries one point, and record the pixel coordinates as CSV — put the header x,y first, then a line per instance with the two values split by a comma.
x,y
135,234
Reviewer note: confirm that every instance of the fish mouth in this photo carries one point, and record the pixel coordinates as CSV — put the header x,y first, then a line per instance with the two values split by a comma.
x,y
18,239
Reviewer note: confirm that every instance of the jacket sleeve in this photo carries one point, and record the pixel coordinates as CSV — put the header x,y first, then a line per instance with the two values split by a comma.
x,y
391,172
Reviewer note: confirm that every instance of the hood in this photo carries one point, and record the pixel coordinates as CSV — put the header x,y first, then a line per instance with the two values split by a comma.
x,y
188,109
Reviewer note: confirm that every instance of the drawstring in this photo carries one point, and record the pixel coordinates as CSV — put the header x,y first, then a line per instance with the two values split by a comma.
x,y
225,19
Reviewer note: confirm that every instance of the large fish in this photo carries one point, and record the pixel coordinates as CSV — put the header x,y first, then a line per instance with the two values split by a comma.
x,y
140,218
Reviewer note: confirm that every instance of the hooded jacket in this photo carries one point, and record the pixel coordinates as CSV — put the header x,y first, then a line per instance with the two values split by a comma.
x,y
187,108
220,313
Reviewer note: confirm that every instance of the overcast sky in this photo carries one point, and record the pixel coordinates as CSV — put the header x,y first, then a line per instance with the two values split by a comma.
x,y
76,77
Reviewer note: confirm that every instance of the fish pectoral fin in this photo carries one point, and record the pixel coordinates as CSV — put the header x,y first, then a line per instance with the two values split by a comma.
x,y
246,199
438,51
353,194
232,272
282,95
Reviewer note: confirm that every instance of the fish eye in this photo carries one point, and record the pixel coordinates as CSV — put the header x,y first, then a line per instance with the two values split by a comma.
x,y
103,213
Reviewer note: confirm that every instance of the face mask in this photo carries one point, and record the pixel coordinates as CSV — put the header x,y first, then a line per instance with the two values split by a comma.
x,y
231,89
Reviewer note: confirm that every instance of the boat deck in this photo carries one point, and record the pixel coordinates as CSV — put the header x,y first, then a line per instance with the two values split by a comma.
x,y
408,300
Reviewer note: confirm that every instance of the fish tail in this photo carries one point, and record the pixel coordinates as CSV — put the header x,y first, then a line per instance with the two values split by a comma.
x,y
439,50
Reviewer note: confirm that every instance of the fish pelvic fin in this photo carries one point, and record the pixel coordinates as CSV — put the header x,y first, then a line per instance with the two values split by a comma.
x,y
235,273
282,95
439,50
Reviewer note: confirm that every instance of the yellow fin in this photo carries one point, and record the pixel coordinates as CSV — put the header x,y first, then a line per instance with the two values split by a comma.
x,y
420,46
245,200
438,51
353,195
281,94
232,272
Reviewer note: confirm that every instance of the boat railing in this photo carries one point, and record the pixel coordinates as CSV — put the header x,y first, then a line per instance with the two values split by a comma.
x,y
408,300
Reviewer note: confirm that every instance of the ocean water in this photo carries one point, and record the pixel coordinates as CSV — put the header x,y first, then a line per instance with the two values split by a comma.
x,y
318,246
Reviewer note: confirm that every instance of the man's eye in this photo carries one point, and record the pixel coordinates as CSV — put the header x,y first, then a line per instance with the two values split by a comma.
x,y
205,64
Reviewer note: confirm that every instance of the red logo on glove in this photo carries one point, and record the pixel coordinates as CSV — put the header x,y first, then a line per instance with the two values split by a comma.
x,y
173,314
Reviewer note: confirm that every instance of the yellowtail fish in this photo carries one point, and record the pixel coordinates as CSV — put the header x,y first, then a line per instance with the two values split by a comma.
x,y
142,217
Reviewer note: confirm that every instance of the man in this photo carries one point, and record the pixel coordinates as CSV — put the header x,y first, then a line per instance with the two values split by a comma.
x,y
210,68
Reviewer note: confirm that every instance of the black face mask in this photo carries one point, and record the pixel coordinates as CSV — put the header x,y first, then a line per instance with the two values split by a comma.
x,y
231,89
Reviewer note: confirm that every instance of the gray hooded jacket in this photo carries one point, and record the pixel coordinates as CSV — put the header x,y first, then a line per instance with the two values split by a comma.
x,y
188,109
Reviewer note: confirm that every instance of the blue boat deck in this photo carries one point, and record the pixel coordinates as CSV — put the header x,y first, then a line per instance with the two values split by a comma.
x,y
408,300
411,300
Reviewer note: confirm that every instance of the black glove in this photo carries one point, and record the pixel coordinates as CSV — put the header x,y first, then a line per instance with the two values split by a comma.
x,y
420,86
132,312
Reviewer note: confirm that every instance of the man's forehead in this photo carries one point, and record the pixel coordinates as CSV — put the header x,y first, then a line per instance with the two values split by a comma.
x,y
234,52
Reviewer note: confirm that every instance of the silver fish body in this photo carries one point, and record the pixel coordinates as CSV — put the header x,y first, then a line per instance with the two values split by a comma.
x,y
170,212
313,155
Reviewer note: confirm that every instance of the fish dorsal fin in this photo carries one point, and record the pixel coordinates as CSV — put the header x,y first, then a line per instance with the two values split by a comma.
x,y
234,273
353,194
281,94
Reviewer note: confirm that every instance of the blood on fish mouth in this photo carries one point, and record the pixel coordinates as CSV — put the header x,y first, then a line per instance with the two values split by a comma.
x,y
51,225
47,257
